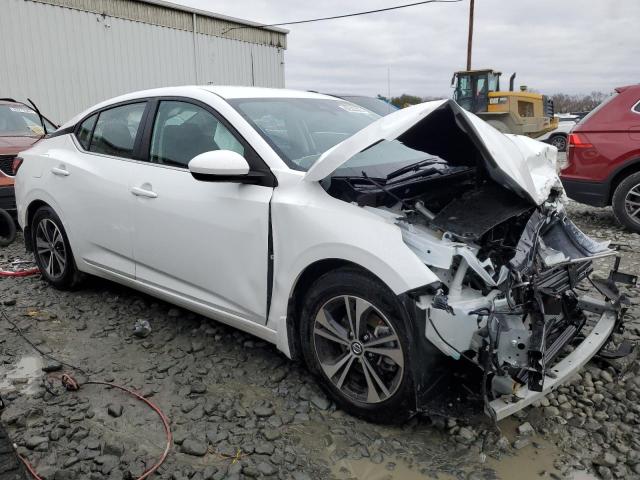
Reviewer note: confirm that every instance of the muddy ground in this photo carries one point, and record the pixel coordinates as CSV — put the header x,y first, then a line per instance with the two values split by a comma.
x,y
240,409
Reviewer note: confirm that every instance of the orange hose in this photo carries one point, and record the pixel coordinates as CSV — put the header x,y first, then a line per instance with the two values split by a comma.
x,y
71,384
19,273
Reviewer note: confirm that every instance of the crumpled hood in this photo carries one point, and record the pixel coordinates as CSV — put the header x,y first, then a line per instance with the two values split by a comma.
x,y
443,128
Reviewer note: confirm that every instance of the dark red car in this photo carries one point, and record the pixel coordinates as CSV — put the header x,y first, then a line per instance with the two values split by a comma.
x,y
20,128
603,157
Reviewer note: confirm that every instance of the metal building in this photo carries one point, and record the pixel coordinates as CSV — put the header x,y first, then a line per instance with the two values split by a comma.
x,y
67,55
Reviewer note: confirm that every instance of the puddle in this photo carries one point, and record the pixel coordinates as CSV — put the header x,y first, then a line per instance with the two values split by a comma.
x,y
23,376
533,462
365,469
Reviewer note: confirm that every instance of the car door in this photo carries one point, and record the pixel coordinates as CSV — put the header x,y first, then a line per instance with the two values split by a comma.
x,y
205,242
91,187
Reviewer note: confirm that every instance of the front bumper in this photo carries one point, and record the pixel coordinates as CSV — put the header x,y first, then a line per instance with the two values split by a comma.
x,y
563,370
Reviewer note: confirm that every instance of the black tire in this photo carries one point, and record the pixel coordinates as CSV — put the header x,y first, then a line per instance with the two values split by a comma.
x,y
628,191
7,228
11,467
63,277
559,141
400,403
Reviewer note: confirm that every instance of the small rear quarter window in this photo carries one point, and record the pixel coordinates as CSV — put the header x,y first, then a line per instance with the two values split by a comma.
x,y
85,130
636,107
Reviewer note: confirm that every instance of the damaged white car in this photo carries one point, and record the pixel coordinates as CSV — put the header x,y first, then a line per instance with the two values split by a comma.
x,y
378,249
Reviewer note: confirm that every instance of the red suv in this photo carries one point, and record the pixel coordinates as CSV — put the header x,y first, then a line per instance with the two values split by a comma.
x,y
603,157
20,127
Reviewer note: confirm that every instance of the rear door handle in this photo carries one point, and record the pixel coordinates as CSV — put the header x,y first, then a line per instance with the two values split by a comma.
x,y
142,192
61,172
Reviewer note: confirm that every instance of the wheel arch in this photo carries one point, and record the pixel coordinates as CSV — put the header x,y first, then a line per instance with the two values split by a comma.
x,y
303,283
629,169
31,210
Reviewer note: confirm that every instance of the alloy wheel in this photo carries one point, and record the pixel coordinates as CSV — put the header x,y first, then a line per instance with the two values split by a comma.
x,y
559,142
632,203
358,349
51,249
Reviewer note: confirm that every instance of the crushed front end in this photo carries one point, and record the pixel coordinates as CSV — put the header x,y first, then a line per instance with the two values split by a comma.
x,y
508,298
484,212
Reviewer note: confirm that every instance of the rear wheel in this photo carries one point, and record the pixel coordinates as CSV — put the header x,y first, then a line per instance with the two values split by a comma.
x,y
559,141
626,202
52,251
354,338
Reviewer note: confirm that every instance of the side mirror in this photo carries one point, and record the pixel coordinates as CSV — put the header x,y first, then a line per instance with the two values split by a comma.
x,y
219,166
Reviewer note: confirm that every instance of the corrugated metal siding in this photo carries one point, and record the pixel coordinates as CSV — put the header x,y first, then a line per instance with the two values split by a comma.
x,y
72,59
173,18
230,62
222,28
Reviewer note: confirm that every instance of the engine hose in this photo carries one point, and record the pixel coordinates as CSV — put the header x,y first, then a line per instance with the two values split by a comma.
x,y
72,385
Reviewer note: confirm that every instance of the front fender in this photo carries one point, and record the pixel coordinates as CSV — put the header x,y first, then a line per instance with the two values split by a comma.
x,y
310,226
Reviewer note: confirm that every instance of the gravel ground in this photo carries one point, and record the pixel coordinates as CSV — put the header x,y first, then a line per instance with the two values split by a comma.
x,y
240,409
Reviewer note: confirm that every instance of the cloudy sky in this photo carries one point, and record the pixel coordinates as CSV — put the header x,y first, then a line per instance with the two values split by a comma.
x,y
570,46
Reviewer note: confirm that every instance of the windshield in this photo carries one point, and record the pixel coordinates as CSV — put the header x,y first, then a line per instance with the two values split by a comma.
x,y
302,129
370,103
20,121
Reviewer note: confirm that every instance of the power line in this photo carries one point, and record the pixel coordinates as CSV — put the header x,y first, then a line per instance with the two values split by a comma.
x,y
334,17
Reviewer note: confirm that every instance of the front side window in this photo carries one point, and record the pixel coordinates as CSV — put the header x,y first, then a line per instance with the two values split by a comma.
x,y
116,130
183,130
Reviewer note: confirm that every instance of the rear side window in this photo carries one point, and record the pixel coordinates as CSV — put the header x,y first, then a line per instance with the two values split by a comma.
x,y
636,108
84,132
116,130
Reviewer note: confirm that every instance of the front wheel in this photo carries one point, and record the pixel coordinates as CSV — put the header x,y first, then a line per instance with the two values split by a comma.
x,y
626,202
7,228
354,338
52,251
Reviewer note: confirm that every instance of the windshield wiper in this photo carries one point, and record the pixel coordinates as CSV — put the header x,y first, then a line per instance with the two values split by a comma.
x,y
414,167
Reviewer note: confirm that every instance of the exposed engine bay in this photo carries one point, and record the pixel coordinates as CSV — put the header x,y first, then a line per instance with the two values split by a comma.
x,y
508,266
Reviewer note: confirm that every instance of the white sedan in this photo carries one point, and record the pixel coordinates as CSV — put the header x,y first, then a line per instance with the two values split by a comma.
x,y
372,247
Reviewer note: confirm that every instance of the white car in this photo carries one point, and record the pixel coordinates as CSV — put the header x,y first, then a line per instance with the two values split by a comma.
x,y
374,248
558,136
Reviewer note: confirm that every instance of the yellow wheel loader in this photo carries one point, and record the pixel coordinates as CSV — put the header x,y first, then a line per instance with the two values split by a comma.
x,y
521,112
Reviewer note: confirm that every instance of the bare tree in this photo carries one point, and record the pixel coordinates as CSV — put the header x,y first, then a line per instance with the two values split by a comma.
x,y
565,103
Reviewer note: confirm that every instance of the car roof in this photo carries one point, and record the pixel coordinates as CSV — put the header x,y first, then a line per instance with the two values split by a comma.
x,y
226,92
635,86
231,92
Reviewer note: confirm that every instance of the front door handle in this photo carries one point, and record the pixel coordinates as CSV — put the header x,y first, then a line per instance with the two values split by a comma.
x,y
61,172
143,192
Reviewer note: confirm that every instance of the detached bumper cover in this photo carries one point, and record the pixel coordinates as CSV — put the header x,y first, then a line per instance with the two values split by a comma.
x,y
563,370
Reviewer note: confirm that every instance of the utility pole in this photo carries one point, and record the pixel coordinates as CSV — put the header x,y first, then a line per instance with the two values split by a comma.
x,y
470,41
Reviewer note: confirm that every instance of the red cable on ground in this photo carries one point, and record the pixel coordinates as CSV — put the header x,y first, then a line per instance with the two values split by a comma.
x,y
72,385
19,273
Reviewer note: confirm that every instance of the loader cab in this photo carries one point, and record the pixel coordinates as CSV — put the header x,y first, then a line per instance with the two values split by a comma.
x,y
472,87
